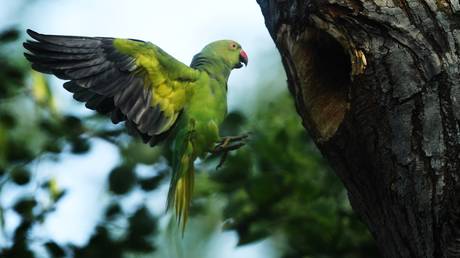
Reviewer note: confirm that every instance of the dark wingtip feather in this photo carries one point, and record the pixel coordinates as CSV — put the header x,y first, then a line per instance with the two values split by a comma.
x,y
29,57
28,46
25,45
39,37
33,34
66,41
29,32
41,69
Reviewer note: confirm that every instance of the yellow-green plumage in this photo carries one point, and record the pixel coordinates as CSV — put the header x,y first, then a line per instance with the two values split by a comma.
x,y
158,96
170,81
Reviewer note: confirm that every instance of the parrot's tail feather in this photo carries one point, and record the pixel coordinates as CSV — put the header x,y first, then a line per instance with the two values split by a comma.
x,y
183,197
181,189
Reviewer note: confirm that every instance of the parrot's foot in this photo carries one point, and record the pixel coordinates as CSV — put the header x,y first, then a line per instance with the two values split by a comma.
x,y
228,144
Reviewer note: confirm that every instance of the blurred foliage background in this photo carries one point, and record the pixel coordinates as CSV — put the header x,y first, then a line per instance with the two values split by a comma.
x,y
277,187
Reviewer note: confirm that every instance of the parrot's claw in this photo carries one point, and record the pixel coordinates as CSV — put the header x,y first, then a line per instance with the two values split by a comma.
x,y
228,144
229,139
225,150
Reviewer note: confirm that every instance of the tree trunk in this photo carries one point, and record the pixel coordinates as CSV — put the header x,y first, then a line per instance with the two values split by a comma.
x,y
377,84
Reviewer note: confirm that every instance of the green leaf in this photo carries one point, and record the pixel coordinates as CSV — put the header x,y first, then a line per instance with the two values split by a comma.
x,y
138,152
17,151
122,179
7,120
11,34
113,210
80,145
142,223
20,176
24,207
151,183
54,249
73,125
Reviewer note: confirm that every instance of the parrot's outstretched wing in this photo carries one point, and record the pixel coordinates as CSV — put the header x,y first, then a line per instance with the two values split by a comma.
x,y
129,79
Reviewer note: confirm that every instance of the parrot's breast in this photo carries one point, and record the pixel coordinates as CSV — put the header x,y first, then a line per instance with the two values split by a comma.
x,y
206,110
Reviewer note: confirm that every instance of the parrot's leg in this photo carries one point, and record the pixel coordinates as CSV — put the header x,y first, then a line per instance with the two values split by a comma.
x,y
228,144
225,150
222,160
225,141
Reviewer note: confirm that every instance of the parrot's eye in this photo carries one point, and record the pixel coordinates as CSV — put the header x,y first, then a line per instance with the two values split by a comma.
x,y
233,46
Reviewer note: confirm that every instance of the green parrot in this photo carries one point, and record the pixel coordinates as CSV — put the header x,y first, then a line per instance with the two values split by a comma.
x,y
156,95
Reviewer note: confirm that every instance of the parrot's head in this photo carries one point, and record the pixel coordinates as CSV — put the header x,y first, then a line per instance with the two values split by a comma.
x,y
227,51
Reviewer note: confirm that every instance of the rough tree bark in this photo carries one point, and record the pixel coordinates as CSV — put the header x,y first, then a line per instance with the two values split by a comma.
x,y
377,84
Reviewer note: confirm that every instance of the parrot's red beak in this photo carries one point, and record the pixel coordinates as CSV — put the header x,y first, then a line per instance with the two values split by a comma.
x,y
243,58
